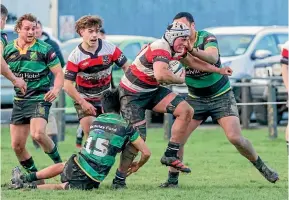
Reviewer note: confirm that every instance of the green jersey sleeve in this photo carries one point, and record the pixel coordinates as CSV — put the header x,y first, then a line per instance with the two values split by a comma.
x,y
51,58
210,41
132,133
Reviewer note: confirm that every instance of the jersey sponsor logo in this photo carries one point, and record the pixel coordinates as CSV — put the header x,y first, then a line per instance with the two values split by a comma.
x,y
105,128
29,76
196,73
33,56
12,56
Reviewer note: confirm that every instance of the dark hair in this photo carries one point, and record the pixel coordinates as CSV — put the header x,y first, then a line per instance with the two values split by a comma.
x,y
187,15
110,101
39,22
102,30
4,11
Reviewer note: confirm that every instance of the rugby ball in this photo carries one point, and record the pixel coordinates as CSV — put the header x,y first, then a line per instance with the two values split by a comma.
x,y
176,67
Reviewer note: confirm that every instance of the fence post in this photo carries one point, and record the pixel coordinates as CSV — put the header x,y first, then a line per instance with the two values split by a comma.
x,y
244,108
272,111
61,116
168,122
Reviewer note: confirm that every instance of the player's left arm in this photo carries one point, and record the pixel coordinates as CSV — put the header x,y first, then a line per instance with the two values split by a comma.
x,y
140,145
120,59
210,53
54,65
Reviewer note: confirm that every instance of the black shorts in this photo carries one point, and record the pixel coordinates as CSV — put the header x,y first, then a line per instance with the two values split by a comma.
x,y
75,177
80,112
217,107
134,105
24,110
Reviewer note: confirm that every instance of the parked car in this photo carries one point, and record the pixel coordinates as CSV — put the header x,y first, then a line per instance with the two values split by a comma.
x,y
269,68
242,47
130,46
7,90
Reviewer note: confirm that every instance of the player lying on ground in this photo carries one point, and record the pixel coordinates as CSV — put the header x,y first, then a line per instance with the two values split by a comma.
x,y
108,134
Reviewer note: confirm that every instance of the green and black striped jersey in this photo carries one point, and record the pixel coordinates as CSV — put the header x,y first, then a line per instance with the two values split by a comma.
x,y
33,65
4,39
205,84
108,134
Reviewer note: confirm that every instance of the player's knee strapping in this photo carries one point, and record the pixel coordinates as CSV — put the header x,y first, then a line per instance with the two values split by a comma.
x,y
129,153
171,107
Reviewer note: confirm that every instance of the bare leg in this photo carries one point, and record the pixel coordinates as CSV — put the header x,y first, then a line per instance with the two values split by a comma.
x,y
85,125
52,186
37,129
232,128
50,171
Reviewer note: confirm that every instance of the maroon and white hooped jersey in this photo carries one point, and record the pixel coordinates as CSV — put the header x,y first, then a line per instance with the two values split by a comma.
x,y
92,72
140,75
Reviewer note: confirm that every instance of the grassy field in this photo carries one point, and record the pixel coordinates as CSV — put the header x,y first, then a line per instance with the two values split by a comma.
x,y
218,171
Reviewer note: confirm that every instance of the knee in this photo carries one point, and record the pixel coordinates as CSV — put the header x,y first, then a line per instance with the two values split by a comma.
x,y
18,148
236,140
186,113
37,135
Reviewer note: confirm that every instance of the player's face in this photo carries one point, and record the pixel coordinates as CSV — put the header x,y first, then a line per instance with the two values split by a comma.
x,y
90,36
180,44
38,31
186,22
3,22
27,31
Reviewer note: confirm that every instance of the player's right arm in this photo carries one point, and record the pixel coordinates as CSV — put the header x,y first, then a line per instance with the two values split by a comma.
x,y
69,80
160,60
6,72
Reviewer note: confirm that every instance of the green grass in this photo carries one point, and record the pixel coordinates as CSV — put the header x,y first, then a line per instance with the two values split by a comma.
x,y
218,171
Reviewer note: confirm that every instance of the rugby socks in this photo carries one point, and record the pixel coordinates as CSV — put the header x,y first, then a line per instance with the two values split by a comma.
x,y
29,177
79,137
119,177
173,177
258,163
172,149
54,138
54,155
29,165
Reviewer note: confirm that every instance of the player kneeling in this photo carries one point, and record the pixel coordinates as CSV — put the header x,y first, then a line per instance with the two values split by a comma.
x,y
108,134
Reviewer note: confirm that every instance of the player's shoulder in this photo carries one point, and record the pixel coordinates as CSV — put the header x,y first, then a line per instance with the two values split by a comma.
x,y
107,46
206,35
43,44
76,55
160,44
9,47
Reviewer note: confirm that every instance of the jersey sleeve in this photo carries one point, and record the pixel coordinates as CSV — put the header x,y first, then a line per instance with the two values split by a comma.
x,y
210,41
132,133
118,57
284,59
159,52
51,58
71,68
4,39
